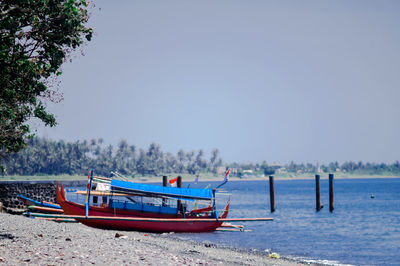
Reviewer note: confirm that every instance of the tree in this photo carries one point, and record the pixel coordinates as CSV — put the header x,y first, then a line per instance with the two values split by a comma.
x,y
215,161
122,157
155,158
36,36
181,161
267,170
214,156
200,161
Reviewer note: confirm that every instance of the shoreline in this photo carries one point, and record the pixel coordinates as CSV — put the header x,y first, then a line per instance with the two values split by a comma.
x,y
276,178
280,178
25,240
191,178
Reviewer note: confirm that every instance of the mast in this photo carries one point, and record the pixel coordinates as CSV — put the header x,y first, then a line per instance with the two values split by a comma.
x,y
214,207
88,195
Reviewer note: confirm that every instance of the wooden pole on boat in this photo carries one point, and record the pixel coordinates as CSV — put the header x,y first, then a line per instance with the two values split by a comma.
x,y
271,193
318,193
331,193
88,195
179,184
213,204
164,183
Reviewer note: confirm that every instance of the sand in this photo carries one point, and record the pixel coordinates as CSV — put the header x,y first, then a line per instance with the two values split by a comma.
x,y
28,241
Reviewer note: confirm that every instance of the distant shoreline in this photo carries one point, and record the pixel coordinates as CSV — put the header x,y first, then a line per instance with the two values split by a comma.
x,y
280,178
191,178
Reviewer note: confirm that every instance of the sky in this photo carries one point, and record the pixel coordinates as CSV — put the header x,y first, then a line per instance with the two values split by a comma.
x,y
275,81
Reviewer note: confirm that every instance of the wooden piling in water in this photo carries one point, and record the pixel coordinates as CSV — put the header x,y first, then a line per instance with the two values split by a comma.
x,y
271,193
164,183
317,193
331,193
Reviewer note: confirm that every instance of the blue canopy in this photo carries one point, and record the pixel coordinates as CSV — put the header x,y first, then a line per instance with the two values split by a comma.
x,y
153,190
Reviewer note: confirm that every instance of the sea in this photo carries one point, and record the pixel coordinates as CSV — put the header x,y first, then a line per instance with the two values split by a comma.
x,y
363,229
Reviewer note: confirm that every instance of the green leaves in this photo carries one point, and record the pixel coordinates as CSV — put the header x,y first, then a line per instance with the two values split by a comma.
x,y
35,38
40,112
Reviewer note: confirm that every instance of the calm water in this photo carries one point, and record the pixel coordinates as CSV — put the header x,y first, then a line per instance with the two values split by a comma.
x,y
360,231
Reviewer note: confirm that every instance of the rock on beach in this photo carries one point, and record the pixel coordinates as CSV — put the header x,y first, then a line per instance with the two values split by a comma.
x,y
35,241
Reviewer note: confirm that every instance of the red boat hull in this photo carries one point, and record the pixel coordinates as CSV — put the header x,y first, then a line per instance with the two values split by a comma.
x,y
71,208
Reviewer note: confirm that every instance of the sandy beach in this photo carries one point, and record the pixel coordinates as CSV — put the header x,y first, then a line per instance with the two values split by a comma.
x,y
28,241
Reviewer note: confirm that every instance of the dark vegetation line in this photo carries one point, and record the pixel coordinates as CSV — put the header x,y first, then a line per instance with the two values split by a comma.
x,y
49,157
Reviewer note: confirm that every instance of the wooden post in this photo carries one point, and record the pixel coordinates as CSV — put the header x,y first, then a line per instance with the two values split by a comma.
x,y
104,200
164,183
179,184
331,193
271,193
317,193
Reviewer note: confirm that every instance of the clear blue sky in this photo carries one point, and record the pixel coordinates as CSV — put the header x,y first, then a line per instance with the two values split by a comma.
x,y
308,81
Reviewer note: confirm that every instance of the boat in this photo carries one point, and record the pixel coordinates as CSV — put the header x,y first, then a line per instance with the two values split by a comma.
x,y
144,207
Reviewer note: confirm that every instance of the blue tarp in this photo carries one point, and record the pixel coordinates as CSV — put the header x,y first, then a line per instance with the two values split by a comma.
x,y
153,190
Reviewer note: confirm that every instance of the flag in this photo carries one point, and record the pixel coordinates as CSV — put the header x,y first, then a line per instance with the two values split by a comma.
x,y
225,179
227,175
196,180
172,182
88,182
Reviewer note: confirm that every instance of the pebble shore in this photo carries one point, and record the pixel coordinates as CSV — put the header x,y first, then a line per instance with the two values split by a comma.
x,y
28,241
